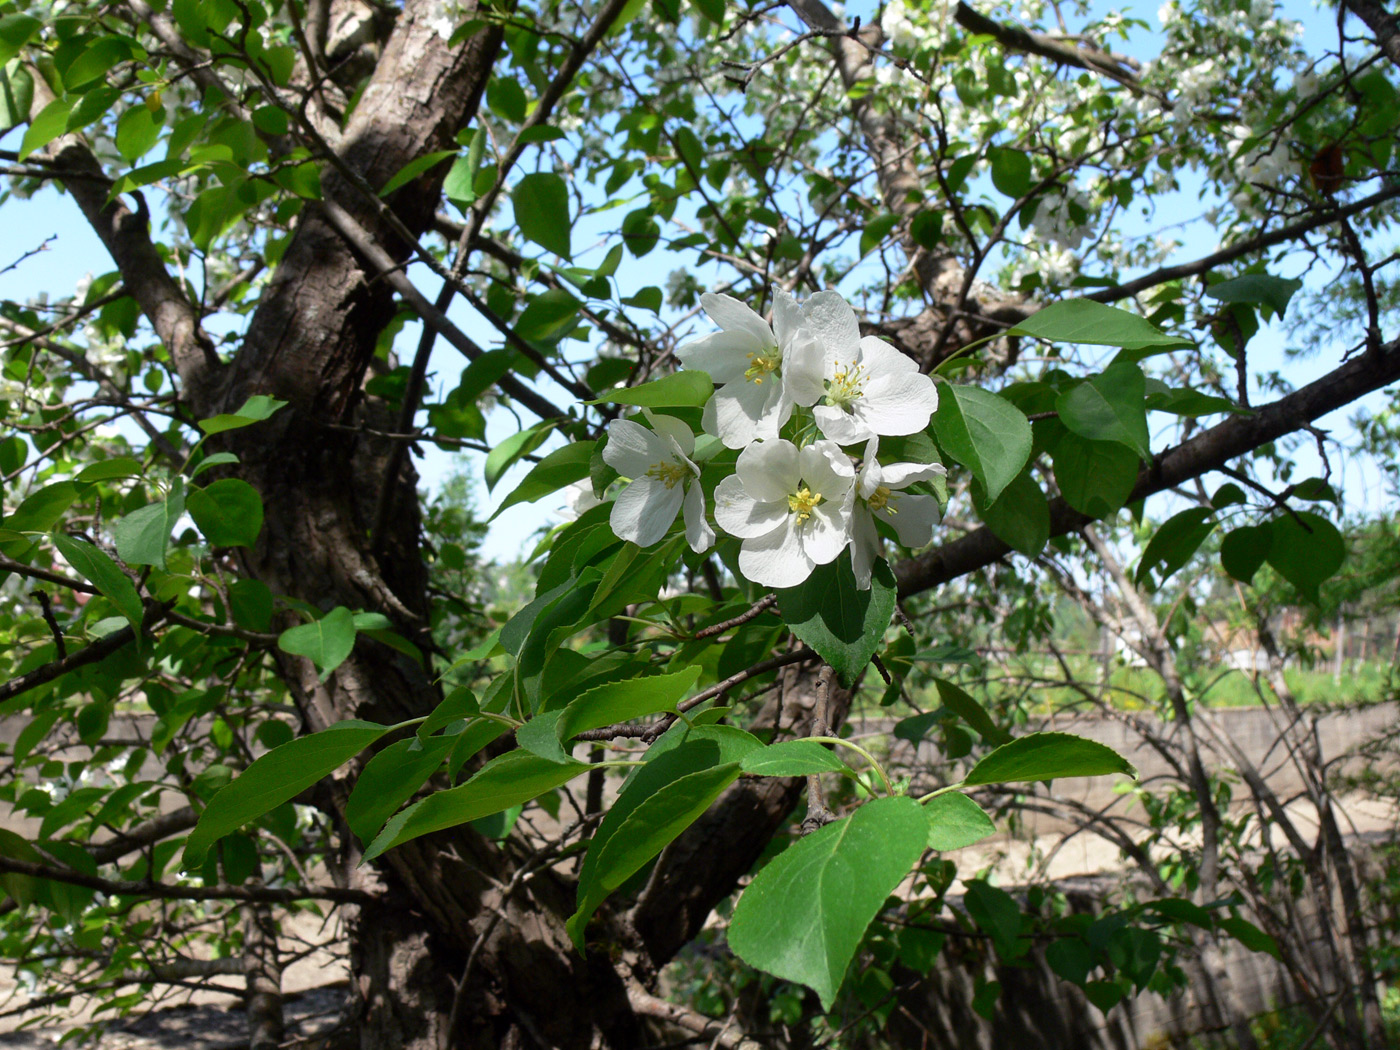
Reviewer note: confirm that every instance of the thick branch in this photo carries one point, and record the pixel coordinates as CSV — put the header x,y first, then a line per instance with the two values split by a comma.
x,y
126,236
1017,39
1200,455
1381,22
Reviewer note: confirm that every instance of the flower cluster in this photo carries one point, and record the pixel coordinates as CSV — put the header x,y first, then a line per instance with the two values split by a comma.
x,y
806,399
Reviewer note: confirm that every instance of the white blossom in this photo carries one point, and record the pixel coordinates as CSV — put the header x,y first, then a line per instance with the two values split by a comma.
x,y
578,500
664,480
790,506
857,387
879,493
746,360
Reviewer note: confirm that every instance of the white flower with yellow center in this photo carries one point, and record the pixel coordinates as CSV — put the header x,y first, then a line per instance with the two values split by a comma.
x,y
879,494
746,361
664,480
790,506
858,388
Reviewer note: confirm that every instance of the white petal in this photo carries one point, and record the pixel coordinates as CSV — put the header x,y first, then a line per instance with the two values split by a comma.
x,y
734,316
697,530
739,514
775,559
913,517
827,470
770,470
870,476
896,404
724,355
826,533
865,546
788,321
804,371
840,426
644,511
672,428
834,322
902,475
746,411
632,449
880,358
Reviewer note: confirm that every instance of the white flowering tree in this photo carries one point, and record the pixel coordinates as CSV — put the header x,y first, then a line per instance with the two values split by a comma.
x,y
949,324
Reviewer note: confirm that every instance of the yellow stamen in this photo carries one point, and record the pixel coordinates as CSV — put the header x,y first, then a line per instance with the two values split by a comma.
x,y
668,472
845,385
880,498
761,365
803,503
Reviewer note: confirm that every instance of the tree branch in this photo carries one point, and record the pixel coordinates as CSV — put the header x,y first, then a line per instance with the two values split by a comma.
x,y
1201,454
1381,22
166,891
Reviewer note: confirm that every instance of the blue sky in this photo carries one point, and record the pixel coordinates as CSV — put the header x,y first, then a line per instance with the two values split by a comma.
x,y
74,251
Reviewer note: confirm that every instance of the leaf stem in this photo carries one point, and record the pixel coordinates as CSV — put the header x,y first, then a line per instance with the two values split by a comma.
x,y
941,791
879,770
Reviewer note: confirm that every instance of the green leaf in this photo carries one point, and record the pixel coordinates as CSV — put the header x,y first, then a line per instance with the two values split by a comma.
x,y
96,61
275,778
843,624
1011,171
229,512
325,642
16,94
1262,288
876,230
1176,540
1020,518
997,912
1047,756
793,758
804,915
513,448
218,459
254,410
1109,407
15,32
541,202
143,535
960,702
47,125
561,467
985,433
103,573
414,168
712,10
623,701
955,821
682,751
41,510
1249,935
389,779
648,829
1243,550
547,315
1085,321
1070,958
137,131
678,390
507,780
118,467
1095,477
1306,550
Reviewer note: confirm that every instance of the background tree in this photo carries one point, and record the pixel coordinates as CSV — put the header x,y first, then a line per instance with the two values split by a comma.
x,y
244,555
